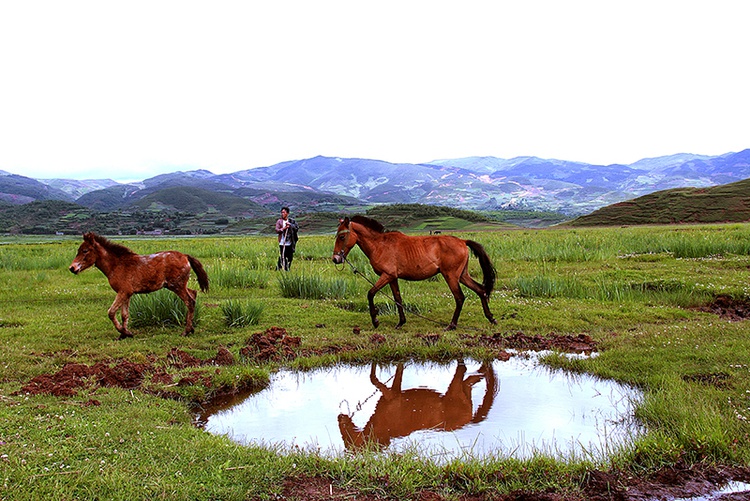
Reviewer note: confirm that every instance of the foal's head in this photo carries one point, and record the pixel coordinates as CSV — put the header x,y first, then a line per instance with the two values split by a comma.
x,y
92,248
87,254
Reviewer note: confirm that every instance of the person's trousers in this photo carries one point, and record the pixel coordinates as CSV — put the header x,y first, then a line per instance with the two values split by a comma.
x,y
286,253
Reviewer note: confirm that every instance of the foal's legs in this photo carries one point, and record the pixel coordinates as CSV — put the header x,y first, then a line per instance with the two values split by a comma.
x,y
121,304
188,297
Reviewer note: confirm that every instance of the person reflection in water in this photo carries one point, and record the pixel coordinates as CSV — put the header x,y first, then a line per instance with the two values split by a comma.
x,y
399,413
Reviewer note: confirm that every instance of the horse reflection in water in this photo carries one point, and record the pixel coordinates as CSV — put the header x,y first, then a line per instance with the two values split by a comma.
x,y
399,413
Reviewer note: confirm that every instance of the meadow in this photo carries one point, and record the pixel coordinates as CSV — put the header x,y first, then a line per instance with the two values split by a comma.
x,y
643,294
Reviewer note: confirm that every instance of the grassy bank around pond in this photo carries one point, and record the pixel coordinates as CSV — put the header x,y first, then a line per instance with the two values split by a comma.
x,y
664,304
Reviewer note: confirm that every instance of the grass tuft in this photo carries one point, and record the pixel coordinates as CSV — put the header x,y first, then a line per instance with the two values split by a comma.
x,y
241,313
160,308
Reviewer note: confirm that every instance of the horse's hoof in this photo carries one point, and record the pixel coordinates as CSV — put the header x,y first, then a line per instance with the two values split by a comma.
x,y
493,321
375,323
124,335
451,327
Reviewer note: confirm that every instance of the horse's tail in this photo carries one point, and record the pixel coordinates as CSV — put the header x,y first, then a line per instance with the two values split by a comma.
x,y
199,272
488,270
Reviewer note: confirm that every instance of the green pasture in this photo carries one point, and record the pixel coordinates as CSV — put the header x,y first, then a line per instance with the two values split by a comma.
x,y
638,291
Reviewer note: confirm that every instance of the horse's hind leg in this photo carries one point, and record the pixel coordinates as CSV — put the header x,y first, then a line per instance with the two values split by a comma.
x,y
188,297
479,289
122,304
371,298
459,296
399,305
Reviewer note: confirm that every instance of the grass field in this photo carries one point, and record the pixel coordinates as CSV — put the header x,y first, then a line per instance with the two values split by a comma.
x,y
642,293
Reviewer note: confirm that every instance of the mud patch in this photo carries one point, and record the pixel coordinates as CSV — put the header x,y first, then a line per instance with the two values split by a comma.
x,y
582,343
74,377
273,345
717,379
152,376
680,481
728,308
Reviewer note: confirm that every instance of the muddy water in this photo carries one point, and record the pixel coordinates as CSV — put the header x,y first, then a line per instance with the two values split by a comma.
x,y
513,407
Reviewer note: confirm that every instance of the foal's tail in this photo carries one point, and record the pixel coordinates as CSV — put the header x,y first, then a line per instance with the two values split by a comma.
x,y
488,270
200,273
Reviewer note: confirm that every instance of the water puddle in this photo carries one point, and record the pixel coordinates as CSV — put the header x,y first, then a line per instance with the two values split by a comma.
x,y
510,408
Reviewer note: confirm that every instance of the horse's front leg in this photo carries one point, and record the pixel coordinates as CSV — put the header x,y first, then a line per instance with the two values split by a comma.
x,y
122,304
399,305
382,281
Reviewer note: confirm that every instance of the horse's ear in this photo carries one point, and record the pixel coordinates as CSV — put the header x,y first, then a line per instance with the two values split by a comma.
x,y
344,221
88,237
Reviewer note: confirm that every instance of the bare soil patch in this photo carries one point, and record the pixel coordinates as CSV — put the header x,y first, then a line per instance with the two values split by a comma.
x,y
581,343
728,308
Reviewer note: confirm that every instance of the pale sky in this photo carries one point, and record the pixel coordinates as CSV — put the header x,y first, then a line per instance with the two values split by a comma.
x,y
129,90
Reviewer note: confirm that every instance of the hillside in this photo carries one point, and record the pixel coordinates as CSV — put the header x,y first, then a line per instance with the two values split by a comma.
x,y
198,201
162,214
21,190
717,204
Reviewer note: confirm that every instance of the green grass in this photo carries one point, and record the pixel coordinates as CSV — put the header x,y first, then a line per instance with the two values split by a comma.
x,y
632,289
304,286
241,314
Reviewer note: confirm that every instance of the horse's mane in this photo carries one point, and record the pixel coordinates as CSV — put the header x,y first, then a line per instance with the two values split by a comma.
x,y
369,223
116,249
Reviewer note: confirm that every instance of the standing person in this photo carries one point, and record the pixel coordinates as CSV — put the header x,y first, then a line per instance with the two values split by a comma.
x,y
286,229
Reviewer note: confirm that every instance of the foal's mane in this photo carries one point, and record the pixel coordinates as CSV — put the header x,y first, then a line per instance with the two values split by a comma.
x,y
369,223
113,248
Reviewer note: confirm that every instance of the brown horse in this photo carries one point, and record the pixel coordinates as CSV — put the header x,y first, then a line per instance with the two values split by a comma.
x,y
394,255
399,413
130,273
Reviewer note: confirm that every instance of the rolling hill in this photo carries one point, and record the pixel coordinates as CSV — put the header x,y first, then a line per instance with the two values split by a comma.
x,y
716,204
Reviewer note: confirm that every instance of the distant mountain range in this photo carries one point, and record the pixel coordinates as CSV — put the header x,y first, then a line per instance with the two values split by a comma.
x,y
479,183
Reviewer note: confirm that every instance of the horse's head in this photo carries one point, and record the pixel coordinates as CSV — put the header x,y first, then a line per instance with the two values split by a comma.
x,y
86,256
345,240
355,438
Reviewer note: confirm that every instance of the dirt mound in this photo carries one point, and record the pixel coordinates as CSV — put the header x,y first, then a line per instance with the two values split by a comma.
x,y
67,381
582,343
728,308
274,345
74,377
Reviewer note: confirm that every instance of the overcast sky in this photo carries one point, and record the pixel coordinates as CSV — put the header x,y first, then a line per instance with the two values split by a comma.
x,y
128,90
